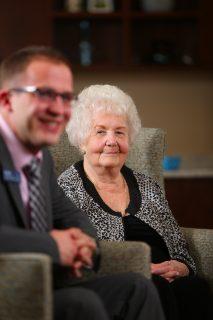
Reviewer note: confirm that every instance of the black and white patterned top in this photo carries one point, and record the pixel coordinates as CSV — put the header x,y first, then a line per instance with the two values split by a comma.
x,y
147,203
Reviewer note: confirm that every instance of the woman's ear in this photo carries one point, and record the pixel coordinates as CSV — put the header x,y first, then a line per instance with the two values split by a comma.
x,y
83,149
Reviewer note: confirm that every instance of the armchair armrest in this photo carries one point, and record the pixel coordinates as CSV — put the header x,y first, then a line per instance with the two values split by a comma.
x,y
127,256
26,278
25,286
200,245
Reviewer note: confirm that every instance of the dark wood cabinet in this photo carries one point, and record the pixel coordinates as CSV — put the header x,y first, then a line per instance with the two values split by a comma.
x,y
128,37
132,38
191,200
24,22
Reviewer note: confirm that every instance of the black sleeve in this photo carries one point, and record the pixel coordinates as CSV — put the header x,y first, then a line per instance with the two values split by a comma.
x,y
67,215
65,212
19,240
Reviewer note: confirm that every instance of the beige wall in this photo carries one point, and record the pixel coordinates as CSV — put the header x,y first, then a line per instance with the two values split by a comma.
x,y
181,103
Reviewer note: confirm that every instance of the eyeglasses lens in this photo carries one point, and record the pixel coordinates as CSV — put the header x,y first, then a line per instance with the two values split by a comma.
x,y
51,95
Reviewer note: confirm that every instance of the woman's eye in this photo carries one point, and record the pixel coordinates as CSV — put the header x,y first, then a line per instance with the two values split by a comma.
x,y
120,133
100,132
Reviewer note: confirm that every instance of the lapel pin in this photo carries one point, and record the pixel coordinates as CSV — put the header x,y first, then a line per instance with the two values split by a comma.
x,y
11,176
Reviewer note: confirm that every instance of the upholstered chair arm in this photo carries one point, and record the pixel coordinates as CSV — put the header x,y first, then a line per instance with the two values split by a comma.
x,y
25,287
125,257
200,244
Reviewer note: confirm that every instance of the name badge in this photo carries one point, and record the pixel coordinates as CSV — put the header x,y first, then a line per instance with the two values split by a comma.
x,y
11,176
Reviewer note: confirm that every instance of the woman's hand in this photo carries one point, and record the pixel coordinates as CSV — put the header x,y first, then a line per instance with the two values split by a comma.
x,y
170,269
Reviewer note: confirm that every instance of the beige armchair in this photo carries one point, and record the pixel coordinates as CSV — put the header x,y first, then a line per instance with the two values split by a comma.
x,y
27,277
146,155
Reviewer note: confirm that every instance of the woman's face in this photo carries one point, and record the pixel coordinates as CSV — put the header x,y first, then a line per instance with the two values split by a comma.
x,y
108,142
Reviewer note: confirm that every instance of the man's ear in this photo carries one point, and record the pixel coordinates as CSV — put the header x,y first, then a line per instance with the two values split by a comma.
x,y
5,99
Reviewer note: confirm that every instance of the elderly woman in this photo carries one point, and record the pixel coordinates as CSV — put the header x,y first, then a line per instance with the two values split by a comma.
x,y
124,204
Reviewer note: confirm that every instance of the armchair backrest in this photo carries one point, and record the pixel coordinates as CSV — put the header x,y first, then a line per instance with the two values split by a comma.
x,y
147,153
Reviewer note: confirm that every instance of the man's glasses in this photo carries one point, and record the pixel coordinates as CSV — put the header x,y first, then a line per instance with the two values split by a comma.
x,y
48,95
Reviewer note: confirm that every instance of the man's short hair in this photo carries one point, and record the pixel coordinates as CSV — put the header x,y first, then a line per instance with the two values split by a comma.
x,y
17,62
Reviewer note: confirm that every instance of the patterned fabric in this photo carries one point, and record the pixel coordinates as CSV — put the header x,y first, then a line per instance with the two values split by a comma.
x,y
36,196
154,211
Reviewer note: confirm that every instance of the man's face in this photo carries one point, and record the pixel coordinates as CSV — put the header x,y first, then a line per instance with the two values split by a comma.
x,y
35,121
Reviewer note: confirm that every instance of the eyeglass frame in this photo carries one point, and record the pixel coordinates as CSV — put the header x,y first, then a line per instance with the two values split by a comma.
x,y
66,97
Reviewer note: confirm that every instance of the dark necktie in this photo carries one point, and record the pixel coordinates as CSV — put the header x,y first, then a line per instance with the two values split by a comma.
x,y
36,196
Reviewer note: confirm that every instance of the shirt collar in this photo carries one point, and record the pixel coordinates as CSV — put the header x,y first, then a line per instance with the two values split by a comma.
x,y
20,155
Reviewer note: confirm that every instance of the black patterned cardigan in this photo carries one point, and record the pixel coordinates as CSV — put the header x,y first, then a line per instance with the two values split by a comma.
x,y
153,210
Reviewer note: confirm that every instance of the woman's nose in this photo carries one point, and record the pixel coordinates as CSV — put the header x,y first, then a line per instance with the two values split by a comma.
x,y
111,140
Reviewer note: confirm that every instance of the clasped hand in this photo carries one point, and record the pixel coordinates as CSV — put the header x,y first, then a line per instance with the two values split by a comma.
x,y
75,248
170,269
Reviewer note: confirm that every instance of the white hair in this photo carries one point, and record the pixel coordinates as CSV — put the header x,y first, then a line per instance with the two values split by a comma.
x,y
100,98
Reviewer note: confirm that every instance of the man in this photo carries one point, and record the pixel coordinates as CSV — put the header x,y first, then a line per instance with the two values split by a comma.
x,y
35,97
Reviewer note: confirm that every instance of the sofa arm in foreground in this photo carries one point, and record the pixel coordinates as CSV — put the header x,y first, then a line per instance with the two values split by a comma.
x,y
25,286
